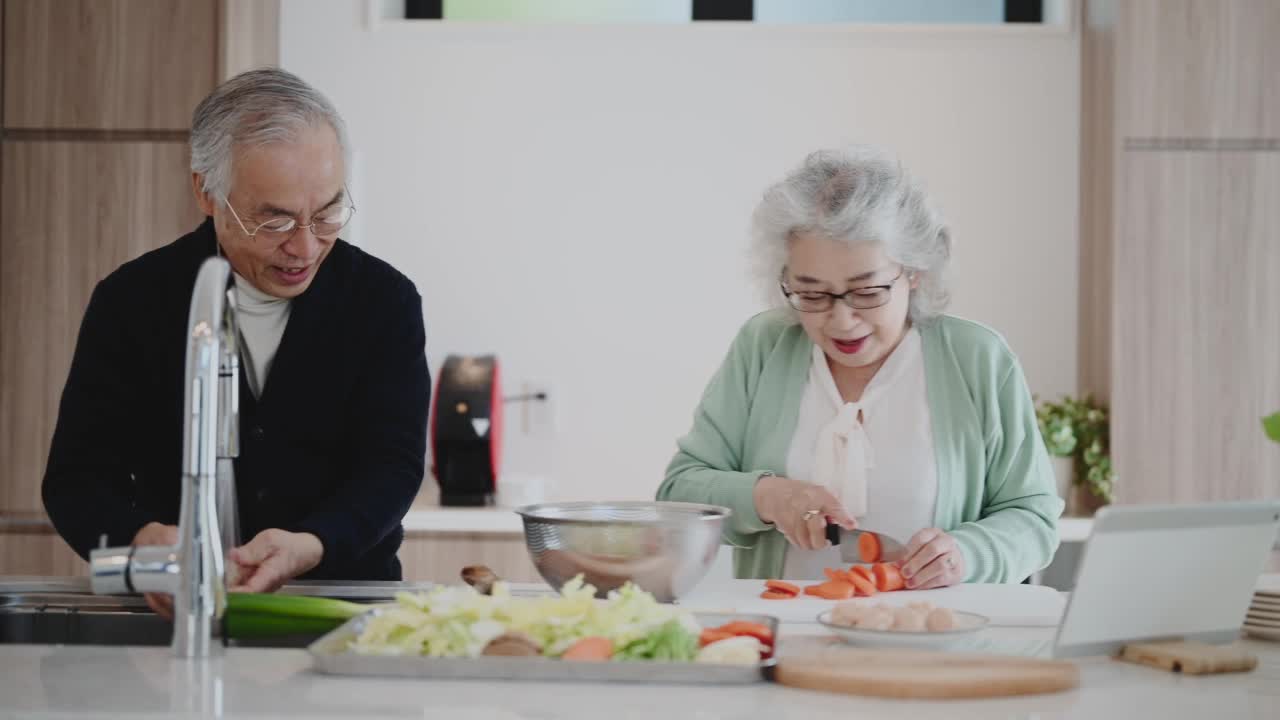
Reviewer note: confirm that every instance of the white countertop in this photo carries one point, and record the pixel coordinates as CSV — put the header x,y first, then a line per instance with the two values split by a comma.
x,y
490,520
104,682
504,521
101,682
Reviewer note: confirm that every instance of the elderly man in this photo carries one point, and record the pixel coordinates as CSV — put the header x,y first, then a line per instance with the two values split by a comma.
x,y
334,383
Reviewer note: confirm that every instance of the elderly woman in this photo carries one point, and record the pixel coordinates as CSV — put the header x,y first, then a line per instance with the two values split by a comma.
x,y
861,403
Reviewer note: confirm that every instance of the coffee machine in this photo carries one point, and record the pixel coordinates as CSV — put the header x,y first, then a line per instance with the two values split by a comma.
x,y
466,430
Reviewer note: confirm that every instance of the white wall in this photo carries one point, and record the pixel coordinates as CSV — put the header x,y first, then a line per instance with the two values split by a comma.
x,y
576,199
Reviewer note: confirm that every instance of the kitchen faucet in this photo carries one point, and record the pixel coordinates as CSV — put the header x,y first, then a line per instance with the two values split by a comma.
x,y
194,570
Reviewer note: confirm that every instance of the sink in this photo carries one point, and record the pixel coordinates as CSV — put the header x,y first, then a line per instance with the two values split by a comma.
x,y
49,618
58,612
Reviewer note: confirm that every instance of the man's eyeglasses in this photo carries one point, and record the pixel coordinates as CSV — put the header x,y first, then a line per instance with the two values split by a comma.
x,y
324,224
863,298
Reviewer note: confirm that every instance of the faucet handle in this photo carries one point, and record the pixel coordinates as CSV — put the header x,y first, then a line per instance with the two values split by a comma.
x,y
109,570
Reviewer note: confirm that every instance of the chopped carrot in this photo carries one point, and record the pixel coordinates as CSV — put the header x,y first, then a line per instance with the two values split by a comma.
x,y
777,595
711,635
782,587
864,571
864,586
589,649
755,630
835,590
888,577
836,574
813,590
869,548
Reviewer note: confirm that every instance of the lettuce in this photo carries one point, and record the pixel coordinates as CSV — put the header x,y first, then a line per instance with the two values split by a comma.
x,y
671,642
459,622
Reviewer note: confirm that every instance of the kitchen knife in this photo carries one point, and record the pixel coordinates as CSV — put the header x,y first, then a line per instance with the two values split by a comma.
x,y
891,550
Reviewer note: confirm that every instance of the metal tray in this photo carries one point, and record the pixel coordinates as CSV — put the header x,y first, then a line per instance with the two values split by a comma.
x,y
330,656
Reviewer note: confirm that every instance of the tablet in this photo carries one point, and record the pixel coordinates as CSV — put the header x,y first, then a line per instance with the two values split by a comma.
x,y
1155,572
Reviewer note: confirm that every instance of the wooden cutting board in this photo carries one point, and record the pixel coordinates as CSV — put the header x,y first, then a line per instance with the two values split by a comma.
x,y
918,674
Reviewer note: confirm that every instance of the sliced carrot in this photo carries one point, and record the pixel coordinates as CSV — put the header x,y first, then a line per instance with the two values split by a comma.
x,y
783,587
835,590
869,548
589,649
813,590
776,595
864,586
864,571
755,630
888,577
711,635
836,574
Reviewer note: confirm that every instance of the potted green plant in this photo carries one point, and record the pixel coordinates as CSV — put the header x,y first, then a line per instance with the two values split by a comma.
x,y
1080,431
1271,424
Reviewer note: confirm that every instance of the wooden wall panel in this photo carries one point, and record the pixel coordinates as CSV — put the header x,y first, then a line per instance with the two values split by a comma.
x,y
73,212
250,36
107,64
40,553
439,557
1098,142
1197,336
1200,68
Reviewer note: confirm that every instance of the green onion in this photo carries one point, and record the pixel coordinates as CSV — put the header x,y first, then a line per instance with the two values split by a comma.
x,y
253,615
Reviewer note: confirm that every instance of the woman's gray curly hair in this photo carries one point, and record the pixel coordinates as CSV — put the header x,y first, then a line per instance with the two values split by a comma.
x,y
858,194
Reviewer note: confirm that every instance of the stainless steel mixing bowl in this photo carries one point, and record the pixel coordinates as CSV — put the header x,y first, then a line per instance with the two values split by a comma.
x,y
663,547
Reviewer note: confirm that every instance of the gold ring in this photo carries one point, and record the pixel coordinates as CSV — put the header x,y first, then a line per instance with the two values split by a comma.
x,y
811,514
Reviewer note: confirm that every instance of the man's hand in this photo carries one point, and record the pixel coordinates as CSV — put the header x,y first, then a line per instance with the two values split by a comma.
x,y
272,558
153,533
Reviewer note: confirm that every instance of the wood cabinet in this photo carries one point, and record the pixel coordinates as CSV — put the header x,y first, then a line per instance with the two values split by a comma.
x,y
439,557
97,104
73,212
1179,188
38,553
1193,69
1198,326
107,64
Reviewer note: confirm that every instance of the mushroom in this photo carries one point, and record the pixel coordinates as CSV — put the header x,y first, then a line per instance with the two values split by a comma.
x,y
513,644
479,577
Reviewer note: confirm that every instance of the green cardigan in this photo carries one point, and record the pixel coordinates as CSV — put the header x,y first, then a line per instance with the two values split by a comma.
x,y
996,491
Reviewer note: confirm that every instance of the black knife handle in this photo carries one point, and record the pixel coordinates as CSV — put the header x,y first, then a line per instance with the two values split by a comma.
x,y
833,533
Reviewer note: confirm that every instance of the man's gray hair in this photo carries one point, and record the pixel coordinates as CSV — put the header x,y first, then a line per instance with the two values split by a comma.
x,y
859,194
251,109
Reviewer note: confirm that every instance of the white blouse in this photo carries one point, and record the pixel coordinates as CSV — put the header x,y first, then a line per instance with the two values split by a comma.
x,y
875,455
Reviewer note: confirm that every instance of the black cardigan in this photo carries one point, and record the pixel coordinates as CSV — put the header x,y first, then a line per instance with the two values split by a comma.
x,y
335,446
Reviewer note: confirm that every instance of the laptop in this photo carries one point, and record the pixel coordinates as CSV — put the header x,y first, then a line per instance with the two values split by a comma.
x,y
1167,572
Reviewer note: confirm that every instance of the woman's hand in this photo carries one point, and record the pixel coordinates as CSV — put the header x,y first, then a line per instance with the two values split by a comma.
x,y
272,558
800,510
933,560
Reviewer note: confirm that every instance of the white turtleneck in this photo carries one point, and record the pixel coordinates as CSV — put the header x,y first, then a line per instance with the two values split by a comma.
x,y
882,465
262,319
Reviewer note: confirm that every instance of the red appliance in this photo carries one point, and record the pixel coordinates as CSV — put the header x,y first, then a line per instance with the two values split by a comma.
x,y
466,430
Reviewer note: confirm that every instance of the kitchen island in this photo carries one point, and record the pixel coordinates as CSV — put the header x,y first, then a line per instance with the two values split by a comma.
x,y
130,682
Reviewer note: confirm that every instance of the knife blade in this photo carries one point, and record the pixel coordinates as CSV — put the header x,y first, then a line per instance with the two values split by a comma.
x,y
891,550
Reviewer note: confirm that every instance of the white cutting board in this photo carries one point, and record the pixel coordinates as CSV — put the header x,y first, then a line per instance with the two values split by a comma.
x,y
1020,605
